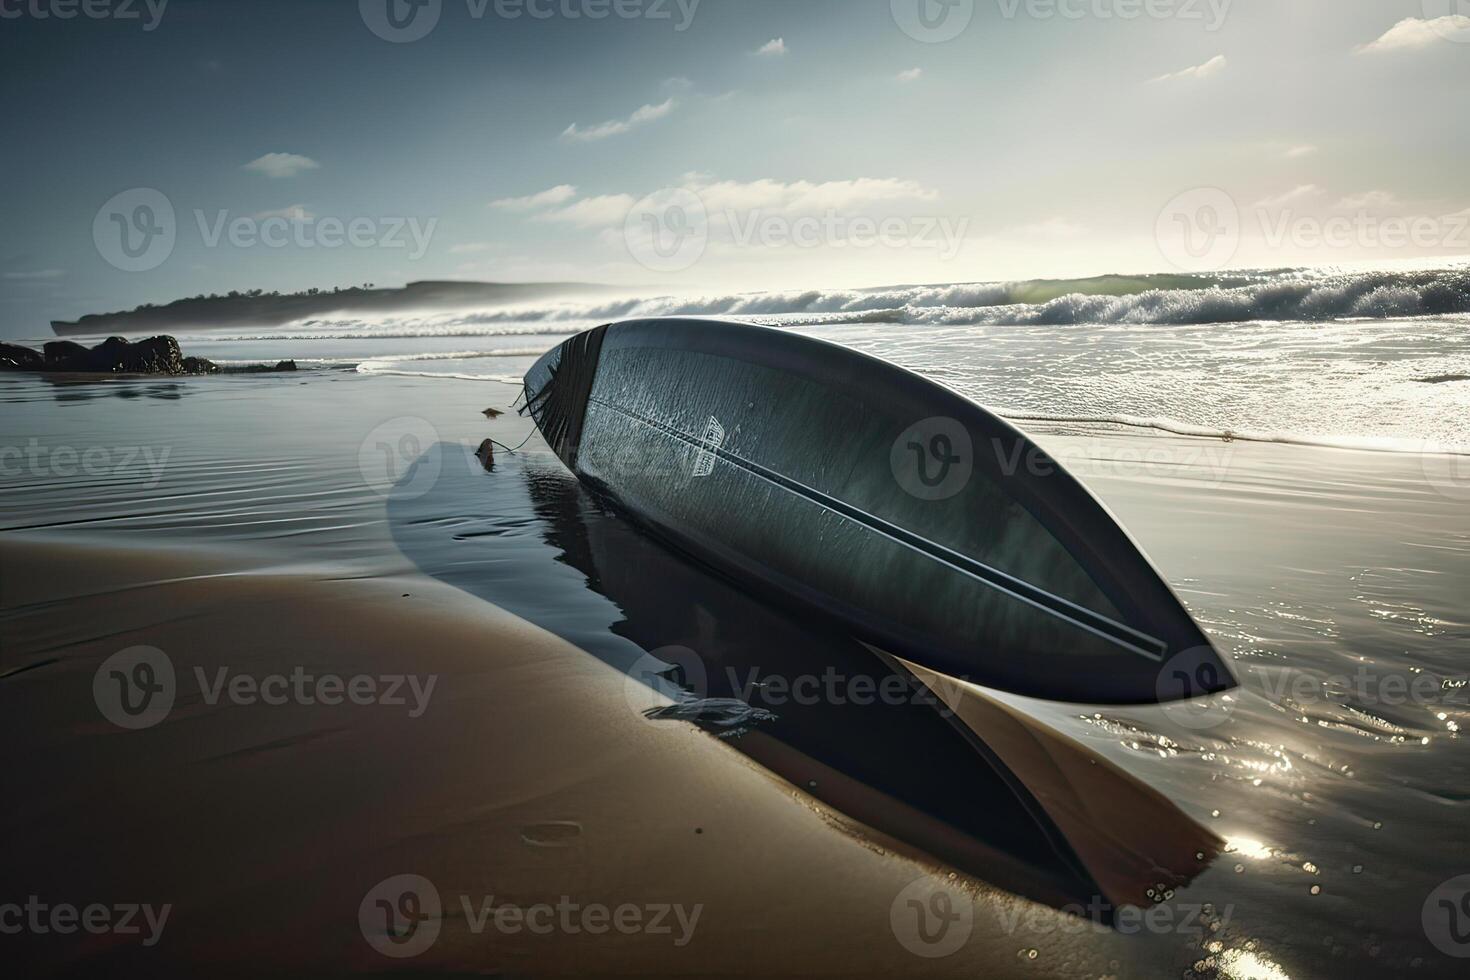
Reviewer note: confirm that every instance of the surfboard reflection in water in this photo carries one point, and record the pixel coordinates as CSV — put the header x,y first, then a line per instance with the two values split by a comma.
x,y
934,768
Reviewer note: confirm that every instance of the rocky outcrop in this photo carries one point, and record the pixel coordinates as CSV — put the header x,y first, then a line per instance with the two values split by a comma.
x,y
16,358
156,355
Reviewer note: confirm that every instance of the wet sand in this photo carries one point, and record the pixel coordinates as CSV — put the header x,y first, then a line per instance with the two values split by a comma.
x,y
536,777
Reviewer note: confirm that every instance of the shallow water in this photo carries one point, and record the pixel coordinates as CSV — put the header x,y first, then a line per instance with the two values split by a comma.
x,y
1343,807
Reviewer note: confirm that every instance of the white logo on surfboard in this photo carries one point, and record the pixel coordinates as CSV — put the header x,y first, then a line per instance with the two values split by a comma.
x,y
709,447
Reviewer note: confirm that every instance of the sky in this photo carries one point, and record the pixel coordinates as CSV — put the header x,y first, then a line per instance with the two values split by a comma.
x,y
161,149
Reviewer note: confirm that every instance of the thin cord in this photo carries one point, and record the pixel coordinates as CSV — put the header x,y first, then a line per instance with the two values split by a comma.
x,y
502,445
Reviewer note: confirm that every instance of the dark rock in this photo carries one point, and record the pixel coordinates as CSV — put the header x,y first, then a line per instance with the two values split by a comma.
x,y
486,454
156,355
14,357
259,368
60,352
492,413
200,365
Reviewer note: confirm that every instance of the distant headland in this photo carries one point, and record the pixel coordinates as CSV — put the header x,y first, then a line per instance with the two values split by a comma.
x,y
267,309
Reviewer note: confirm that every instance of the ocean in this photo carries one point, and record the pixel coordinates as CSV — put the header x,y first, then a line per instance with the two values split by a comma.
x,y
1291,448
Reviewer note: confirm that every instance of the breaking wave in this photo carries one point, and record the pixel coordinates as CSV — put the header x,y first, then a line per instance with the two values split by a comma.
x,y
1297,295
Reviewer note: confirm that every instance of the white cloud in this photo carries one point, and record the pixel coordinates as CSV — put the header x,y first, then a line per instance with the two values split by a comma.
x,y
1368,201
1413,32
38,274
774,48
615,127
291,212
1212,67
470,248
1293,196
803,196
910,74
559,194
1297,152
593,212
282,164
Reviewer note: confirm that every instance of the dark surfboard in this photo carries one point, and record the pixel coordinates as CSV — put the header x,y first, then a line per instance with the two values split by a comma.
x,y
933,529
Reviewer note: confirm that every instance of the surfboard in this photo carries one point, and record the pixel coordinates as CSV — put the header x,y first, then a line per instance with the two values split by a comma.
x,y
820,476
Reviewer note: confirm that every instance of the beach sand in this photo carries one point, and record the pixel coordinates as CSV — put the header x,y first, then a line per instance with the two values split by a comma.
x,y
534,776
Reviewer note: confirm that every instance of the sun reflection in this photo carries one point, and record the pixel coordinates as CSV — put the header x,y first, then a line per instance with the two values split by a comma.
x,y
1242,964
1247,847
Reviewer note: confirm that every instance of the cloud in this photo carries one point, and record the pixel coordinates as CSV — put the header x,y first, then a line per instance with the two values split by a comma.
x,y
35,275
593,212
1293,196
1368,201
615,127
910,74
470,248
770,196
774,48
1212,67
282,164
559,194
1297,152
1414,32
291,212
803,196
